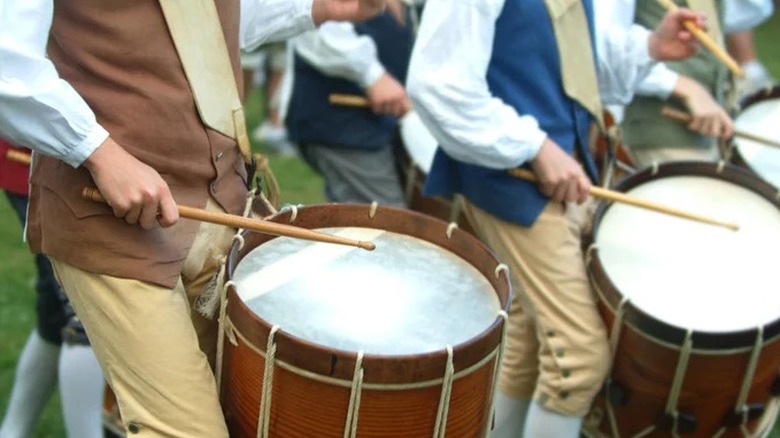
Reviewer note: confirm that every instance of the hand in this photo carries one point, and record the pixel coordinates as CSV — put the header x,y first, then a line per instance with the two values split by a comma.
x,y
709,118
560,176
346,10
671,40
387,96
135,191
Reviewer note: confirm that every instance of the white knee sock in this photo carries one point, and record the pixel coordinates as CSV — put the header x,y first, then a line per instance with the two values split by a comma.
x,y
543,423
36,378
510,416
81,392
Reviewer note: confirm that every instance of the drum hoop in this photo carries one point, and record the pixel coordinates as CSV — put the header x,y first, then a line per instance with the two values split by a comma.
x,y
757,97
341,363
346,383
649,326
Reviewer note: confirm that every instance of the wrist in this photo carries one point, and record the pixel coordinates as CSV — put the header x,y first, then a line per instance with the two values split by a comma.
x,y
320,11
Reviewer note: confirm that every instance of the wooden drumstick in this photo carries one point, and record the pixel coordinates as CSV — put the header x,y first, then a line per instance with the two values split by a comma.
x,y
705,39
348,100
260,226
614,196
18,157
682,116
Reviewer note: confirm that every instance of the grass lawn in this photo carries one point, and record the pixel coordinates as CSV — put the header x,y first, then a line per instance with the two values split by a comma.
x,y
299,185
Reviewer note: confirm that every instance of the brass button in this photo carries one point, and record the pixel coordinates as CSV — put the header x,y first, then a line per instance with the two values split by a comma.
x,y
550,333
564,394
565,373
559,352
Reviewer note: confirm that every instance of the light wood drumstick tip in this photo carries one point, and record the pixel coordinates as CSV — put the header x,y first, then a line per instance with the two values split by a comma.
x,y
368,246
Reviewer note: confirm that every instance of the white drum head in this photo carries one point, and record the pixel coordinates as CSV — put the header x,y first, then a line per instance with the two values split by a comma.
x,y
420,144
762,119
408,296
692,275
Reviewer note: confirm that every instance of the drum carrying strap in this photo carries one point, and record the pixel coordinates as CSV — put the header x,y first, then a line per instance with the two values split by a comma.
x,y
197,34
578,69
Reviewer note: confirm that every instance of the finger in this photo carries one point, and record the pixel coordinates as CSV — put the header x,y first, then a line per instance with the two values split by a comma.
x,y
713,127
148,217
120,208
560,192
169,212
572,192
131,216
584,189
728,127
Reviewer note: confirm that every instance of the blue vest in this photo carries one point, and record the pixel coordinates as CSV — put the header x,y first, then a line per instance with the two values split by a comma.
x,y
525,73
312,119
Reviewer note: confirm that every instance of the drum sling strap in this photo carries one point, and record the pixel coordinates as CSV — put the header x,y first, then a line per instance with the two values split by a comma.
x,y
578,70
197,35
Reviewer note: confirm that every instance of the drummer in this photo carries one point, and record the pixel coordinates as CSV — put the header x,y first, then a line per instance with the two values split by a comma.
x,y
115,96
505,83
352,147
699,85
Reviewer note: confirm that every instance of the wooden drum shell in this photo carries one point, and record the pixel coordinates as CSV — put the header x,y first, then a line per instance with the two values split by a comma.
x,y
400,394
648,350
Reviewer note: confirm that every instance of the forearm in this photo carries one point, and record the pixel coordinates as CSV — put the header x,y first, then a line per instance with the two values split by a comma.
x,y
37,108
265,21
335,49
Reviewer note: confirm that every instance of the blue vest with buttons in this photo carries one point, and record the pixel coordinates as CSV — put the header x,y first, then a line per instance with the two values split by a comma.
x,y
524,72
312,119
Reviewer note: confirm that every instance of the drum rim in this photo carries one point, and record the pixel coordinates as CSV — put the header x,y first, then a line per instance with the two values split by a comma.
x,y
752,99
340,364
648,325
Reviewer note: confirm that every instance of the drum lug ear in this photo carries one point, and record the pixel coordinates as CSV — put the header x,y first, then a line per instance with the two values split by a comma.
x,y
736,418
686,422
617,395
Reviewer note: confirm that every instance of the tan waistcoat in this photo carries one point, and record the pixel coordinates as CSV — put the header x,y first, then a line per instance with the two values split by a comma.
x,y
119,56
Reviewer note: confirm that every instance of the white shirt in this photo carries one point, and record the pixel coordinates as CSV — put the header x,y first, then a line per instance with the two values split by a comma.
x,y
43,112
336,49
448,85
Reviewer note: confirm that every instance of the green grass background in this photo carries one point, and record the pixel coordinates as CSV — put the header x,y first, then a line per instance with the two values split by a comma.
x,y
299,185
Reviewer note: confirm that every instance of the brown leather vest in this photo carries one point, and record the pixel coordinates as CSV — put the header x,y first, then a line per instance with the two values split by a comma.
x,y
119,56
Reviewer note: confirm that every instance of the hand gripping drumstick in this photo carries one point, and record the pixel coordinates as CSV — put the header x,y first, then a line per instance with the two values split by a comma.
x,y
260,226
682,116
18,157
614,196
705,39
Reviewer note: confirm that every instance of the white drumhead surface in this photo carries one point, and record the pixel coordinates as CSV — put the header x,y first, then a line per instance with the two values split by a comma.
x,y
408,296
762,119
693,275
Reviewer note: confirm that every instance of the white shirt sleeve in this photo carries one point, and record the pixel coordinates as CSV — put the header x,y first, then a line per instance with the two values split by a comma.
x,y
619,14
448,86
335,49
38,109
739,15
265,21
